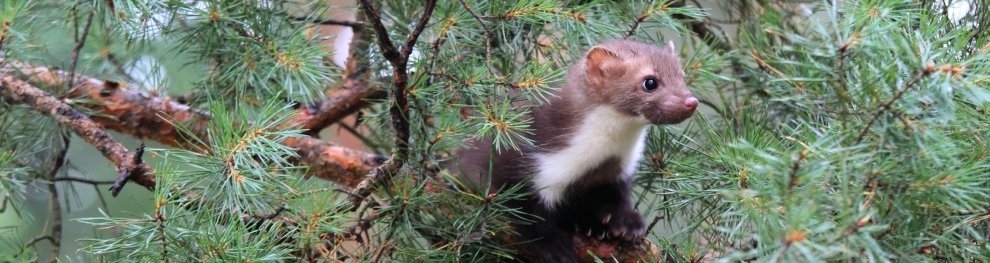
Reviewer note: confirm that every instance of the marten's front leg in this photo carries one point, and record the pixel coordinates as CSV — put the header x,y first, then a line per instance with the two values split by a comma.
x,y
603,211
545,241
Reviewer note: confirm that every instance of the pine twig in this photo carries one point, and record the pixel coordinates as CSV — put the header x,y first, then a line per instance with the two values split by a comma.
x,y
399,107
39,239
887,105
81,180
54,205
125,175
264,217
160,226
656,219
75,50
792,177
642,17
702,29
331,22
91,132
3,204
488,32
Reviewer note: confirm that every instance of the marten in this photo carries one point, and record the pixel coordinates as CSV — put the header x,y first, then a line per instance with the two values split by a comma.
x,y
587,143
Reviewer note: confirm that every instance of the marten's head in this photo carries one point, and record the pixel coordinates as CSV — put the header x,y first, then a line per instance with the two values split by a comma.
x,y
639,79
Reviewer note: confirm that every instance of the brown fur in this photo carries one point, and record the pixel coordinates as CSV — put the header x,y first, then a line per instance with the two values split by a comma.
x,y
613,73
610,74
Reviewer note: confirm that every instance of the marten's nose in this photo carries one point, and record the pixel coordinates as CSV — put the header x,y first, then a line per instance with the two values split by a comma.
x,y
691,103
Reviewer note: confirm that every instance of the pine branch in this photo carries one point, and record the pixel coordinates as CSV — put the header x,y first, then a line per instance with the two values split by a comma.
x,y
332,22
22,92
254,219
333,163
399,107
123,109
646,14
148,117
701,28
344,100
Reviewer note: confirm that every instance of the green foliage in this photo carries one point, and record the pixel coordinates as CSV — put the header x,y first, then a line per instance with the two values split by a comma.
x,y
862,139
830,131
245,166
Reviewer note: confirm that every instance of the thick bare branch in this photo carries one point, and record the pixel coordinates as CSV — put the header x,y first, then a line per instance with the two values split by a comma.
x,y
341,102
347,98
22,92
121,108
333,163
144,116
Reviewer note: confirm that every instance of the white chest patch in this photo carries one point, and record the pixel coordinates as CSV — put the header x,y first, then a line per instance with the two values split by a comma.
x,y
603,133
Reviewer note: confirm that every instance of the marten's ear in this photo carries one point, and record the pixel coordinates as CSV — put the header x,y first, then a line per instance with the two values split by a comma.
x,y
600,63
670,46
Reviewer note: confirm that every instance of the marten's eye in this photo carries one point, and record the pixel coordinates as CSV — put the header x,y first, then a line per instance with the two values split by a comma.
x,y
650,84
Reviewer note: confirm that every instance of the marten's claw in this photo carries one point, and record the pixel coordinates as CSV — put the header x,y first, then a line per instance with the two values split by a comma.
x,y
617,225
625,226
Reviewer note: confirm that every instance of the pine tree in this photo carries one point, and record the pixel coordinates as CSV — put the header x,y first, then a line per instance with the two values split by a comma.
x,y
829,131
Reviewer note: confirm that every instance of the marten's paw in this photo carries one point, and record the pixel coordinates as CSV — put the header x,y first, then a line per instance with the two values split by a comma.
x,y
622,225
